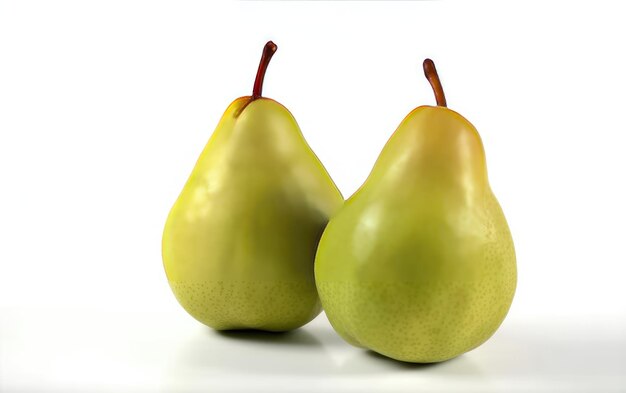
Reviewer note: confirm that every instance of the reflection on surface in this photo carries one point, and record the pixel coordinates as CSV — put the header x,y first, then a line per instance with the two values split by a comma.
x,y
313,351
374,363
297,337
520,357
254,352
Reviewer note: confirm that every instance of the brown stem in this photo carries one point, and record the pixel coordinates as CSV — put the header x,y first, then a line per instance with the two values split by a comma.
x,y
268,52
431,74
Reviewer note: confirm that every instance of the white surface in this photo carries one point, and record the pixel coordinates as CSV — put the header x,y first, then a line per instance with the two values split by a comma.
x,y
105,106
82,350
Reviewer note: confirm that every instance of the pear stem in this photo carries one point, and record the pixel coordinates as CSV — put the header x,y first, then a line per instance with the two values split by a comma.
x,y
268,52
431,74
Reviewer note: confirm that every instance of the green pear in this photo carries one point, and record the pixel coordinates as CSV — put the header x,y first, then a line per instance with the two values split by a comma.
x,y
239,243
419,265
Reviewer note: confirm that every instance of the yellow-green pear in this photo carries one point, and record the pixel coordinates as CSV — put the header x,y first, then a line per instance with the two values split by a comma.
x,y
240,241
419,264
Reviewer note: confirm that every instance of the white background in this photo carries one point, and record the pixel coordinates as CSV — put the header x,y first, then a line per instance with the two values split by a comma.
x,y
106,105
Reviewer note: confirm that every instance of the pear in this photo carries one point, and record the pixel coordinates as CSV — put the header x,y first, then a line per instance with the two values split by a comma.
x,y
239,243
419,264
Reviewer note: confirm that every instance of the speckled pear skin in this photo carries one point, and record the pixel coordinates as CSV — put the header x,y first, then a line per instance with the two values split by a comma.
x,y
240,241
419,264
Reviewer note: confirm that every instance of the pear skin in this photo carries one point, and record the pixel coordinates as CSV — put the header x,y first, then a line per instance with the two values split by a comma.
x,y
240,241
419,263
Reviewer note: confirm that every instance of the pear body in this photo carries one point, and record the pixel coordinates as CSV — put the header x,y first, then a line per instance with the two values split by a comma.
x,y
419,264
240,241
